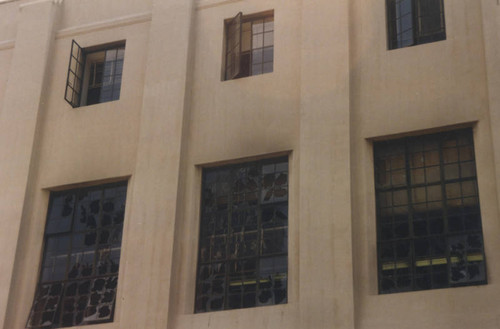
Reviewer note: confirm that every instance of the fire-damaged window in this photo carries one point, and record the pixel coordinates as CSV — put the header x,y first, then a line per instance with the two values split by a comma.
x,y
81,258
429,231
243,247
249,45
94,74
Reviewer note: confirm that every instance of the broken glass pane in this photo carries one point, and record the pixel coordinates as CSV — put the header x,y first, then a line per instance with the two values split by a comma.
x,y
241,235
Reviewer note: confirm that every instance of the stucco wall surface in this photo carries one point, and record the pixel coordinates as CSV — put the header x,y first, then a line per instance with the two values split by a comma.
x,y
334,89
413,90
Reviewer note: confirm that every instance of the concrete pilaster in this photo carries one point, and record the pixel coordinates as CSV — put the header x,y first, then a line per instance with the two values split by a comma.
x,y
326,290
18,125
152,219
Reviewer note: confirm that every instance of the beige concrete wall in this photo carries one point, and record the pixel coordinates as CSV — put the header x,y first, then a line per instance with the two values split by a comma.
x,y
19,126
231,120
84,12
73,146
409,90
5,61
8,17
334,88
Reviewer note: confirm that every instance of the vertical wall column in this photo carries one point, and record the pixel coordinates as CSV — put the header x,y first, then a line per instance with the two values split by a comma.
x,y
491,37
18,123
154,194
326,283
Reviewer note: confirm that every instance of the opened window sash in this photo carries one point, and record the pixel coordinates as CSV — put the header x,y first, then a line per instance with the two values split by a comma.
x,y
75,75
233,50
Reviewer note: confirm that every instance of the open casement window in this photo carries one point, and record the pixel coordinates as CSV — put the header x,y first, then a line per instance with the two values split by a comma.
x,y
75,75
249,45
233,48
429,232
94,74
414,22
81,258
243,246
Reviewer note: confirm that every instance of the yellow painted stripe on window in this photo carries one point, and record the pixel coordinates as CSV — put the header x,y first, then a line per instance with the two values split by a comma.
x,y
391,266
247,282
425,262
432,261
439,261
475,258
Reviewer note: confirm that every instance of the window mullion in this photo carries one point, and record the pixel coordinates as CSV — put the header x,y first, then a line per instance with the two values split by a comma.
x,y
411,237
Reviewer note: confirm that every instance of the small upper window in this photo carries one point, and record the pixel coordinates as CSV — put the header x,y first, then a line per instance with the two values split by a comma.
x,y
249,45
94,74
414,22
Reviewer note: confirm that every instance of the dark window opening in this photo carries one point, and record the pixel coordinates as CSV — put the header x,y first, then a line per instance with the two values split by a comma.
x,y
414,22
429,232
243,246
249,45
81,259
94,74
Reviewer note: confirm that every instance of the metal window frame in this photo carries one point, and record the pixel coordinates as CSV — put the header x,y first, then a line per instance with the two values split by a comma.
x,y
73,94
79,61
58,313
259,231
393,38
242,19
412,237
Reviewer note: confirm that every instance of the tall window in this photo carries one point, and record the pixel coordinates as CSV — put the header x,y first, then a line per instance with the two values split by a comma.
x,y
414,22
249,45
429,231
243,247
94,74
81,257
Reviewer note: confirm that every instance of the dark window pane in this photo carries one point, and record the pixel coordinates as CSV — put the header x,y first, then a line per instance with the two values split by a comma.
x,y
245,57
243,248
75,287
412,22
429,233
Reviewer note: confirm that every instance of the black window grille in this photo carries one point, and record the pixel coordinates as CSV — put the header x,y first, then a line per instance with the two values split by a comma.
x,y
94,74
249,45
414,22
429,232
243,247
79,272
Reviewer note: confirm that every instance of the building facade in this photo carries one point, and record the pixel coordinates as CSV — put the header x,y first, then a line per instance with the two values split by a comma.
x,y
177,163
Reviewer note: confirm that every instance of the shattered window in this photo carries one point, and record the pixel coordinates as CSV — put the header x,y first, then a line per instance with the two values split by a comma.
x,y
79,272
429,231
243,247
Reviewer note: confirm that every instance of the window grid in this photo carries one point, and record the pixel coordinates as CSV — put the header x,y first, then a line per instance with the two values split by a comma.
x,y
79,272
428,217
94,74
75,74
111,77
249,45
243,249
262,49
413,22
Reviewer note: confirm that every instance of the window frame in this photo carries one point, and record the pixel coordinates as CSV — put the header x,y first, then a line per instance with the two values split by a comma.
x,y
230,259
79,66
100,250
454,213
240,70
394,39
